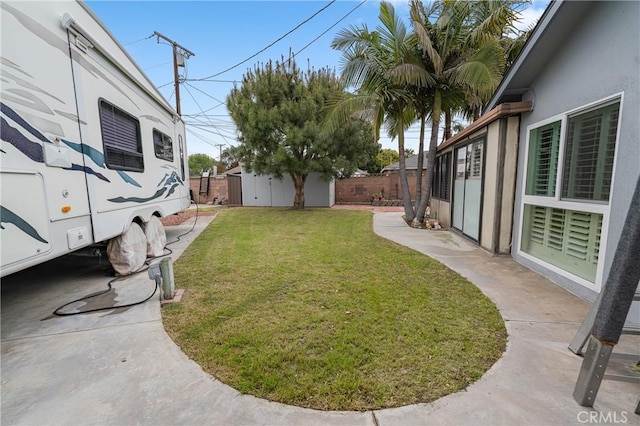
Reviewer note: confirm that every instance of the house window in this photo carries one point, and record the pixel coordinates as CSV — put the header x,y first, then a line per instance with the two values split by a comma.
x,y
442,177
568,239
544,143
567,187
588,159
121,139
162,145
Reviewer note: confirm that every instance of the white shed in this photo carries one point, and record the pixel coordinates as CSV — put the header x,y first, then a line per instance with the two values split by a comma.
x,y
268,191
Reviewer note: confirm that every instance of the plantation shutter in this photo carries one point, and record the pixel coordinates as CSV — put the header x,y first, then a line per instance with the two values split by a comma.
x,y
578,235
476,161
588,165
565,238
543,160
556,229
446,176
538,224
442,177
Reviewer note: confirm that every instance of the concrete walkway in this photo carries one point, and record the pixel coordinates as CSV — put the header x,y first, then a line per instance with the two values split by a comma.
x,y
120,367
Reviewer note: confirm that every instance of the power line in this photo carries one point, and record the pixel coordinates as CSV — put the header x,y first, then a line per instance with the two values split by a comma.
x,y
156,66
270,45
328,29
166,84
200,137
213,125
137,41
204,93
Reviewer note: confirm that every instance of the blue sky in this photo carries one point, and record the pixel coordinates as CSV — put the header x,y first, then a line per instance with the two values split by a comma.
x,y
224,33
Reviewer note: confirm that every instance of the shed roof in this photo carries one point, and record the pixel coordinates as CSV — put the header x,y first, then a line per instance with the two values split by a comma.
x,y
411,163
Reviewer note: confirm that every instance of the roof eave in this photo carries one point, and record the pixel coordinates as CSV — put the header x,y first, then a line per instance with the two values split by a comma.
x,y
529,45
503,110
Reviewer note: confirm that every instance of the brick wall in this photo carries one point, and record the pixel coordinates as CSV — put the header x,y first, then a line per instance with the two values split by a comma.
x,y
217,188
361,189
352,190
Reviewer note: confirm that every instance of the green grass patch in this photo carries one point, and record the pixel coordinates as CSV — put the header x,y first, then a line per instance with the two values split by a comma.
x,y
311,308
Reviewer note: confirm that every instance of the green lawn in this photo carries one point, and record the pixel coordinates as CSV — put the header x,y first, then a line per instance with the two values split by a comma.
x,y
311,308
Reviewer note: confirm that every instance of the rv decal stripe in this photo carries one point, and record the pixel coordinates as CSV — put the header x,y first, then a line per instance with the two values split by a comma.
x,y
7,216
13,136
169,184
95,155
171,190
15,117
168,179
98,158
31,149
158,194
88,170
128,179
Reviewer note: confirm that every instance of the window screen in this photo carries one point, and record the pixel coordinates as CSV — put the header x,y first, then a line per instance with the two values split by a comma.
x,y
121,139
162,145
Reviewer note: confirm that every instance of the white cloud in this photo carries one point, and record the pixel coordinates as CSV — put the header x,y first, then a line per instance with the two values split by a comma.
x,y
530,16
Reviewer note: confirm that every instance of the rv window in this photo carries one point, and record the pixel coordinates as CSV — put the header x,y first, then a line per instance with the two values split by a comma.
x,y
121,139
162,145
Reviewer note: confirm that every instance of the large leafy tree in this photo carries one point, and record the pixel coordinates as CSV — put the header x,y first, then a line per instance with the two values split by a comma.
x,y
279,112
229,158
199,163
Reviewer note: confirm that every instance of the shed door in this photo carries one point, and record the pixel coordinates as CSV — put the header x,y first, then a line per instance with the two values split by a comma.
x,y
234,183
467,195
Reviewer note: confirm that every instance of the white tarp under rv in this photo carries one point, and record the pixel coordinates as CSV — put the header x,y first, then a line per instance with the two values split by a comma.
x,y
88,144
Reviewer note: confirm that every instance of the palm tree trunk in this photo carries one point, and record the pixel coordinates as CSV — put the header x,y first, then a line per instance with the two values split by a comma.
x,y
419,177
404,181
431,160
447,125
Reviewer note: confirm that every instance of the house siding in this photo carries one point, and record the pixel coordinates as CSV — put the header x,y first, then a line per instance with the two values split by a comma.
x,y
574,78
509,184
490,184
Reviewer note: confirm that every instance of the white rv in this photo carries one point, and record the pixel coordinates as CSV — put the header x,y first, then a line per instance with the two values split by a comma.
x,y
88,144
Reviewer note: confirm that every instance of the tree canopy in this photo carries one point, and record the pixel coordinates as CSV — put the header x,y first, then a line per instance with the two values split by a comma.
x,y
199,163
279,113
229,158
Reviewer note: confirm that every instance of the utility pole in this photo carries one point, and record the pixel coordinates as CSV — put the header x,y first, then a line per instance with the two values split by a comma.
x,y
220,145
180,53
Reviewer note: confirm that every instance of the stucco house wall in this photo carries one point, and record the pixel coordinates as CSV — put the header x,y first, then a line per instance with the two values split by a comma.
x,y
596,61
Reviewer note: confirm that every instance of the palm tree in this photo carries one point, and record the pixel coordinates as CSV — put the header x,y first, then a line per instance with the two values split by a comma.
x,y
460,61
381,65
